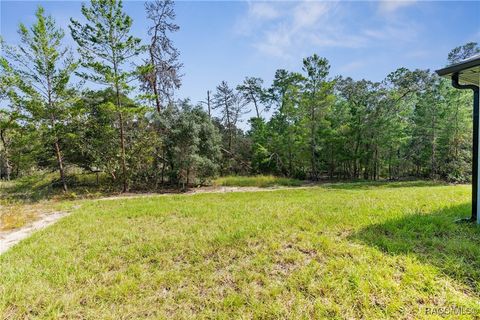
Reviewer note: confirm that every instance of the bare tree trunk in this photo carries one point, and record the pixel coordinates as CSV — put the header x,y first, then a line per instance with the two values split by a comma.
x,y
256,106
154,81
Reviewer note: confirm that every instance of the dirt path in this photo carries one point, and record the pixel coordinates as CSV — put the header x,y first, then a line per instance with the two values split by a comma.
x,y
10,238
201,190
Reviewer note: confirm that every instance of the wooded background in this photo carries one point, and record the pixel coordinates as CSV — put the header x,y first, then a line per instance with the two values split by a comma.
x,y
412,124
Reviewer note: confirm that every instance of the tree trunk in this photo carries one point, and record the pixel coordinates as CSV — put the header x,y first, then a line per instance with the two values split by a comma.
x,y
366,167
356,171
163,167
209,105
122,146
332,162
60,165
122,141
229,124
434,148
256,106
390,164
290,152
56,144
153,81
8,166
313,144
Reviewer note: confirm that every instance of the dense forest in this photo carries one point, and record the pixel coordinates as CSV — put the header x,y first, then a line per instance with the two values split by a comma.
x,y
109,107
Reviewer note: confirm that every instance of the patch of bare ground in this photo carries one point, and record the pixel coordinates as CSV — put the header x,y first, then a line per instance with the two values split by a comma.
x,y
200,190
10,238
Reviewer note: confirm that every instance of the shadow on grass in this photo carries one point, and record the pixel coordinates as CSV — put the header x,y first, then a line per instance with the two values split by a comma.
x,y
47,186
30,188
43,186
435,239
364,185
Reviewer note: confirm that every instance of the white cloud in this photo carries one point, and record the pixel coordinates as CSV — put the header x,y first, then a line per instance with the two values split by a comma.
x,y
286,25
276,42
282,29
391,6
258,13
395,30
307,14
263,10
339,40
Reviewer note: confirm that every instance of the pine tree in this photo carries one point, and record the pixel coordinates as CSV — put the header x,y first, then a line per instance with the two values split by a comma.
x,y
43,67
107,47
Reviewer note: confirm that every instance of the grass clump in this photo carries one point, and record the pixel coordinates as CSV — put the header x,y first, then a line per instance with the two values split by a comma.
x,y
260,181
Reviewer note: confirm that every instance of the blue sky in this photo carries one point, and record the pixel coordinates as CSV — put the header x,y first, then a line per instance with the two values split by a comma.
x,y
228,40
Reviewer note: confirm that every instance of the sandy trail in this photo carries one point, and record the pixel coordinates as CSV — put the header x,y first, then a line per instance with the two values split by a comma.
x,y
201,190
10,238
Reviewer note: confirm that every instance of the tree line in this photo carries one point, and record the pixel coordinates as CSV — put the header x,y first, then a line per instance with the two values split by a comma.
x,y
111,109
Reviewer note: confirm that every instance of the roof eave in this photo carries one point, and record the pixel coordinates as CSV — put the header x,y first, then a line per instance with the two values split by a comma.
x,y
458,67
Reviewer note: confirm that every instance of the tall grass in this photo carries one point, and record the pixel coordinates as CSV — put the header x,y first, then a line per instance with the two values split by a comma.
x,y
260,181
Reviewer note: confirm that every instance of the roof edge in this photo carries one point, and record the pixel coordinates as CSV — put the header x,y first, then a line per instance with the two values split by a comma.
x,y
460,66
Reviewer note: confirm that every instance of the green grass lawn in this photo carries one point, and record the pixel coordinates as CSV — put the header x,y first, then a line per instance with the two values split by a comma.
x,y
340,251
